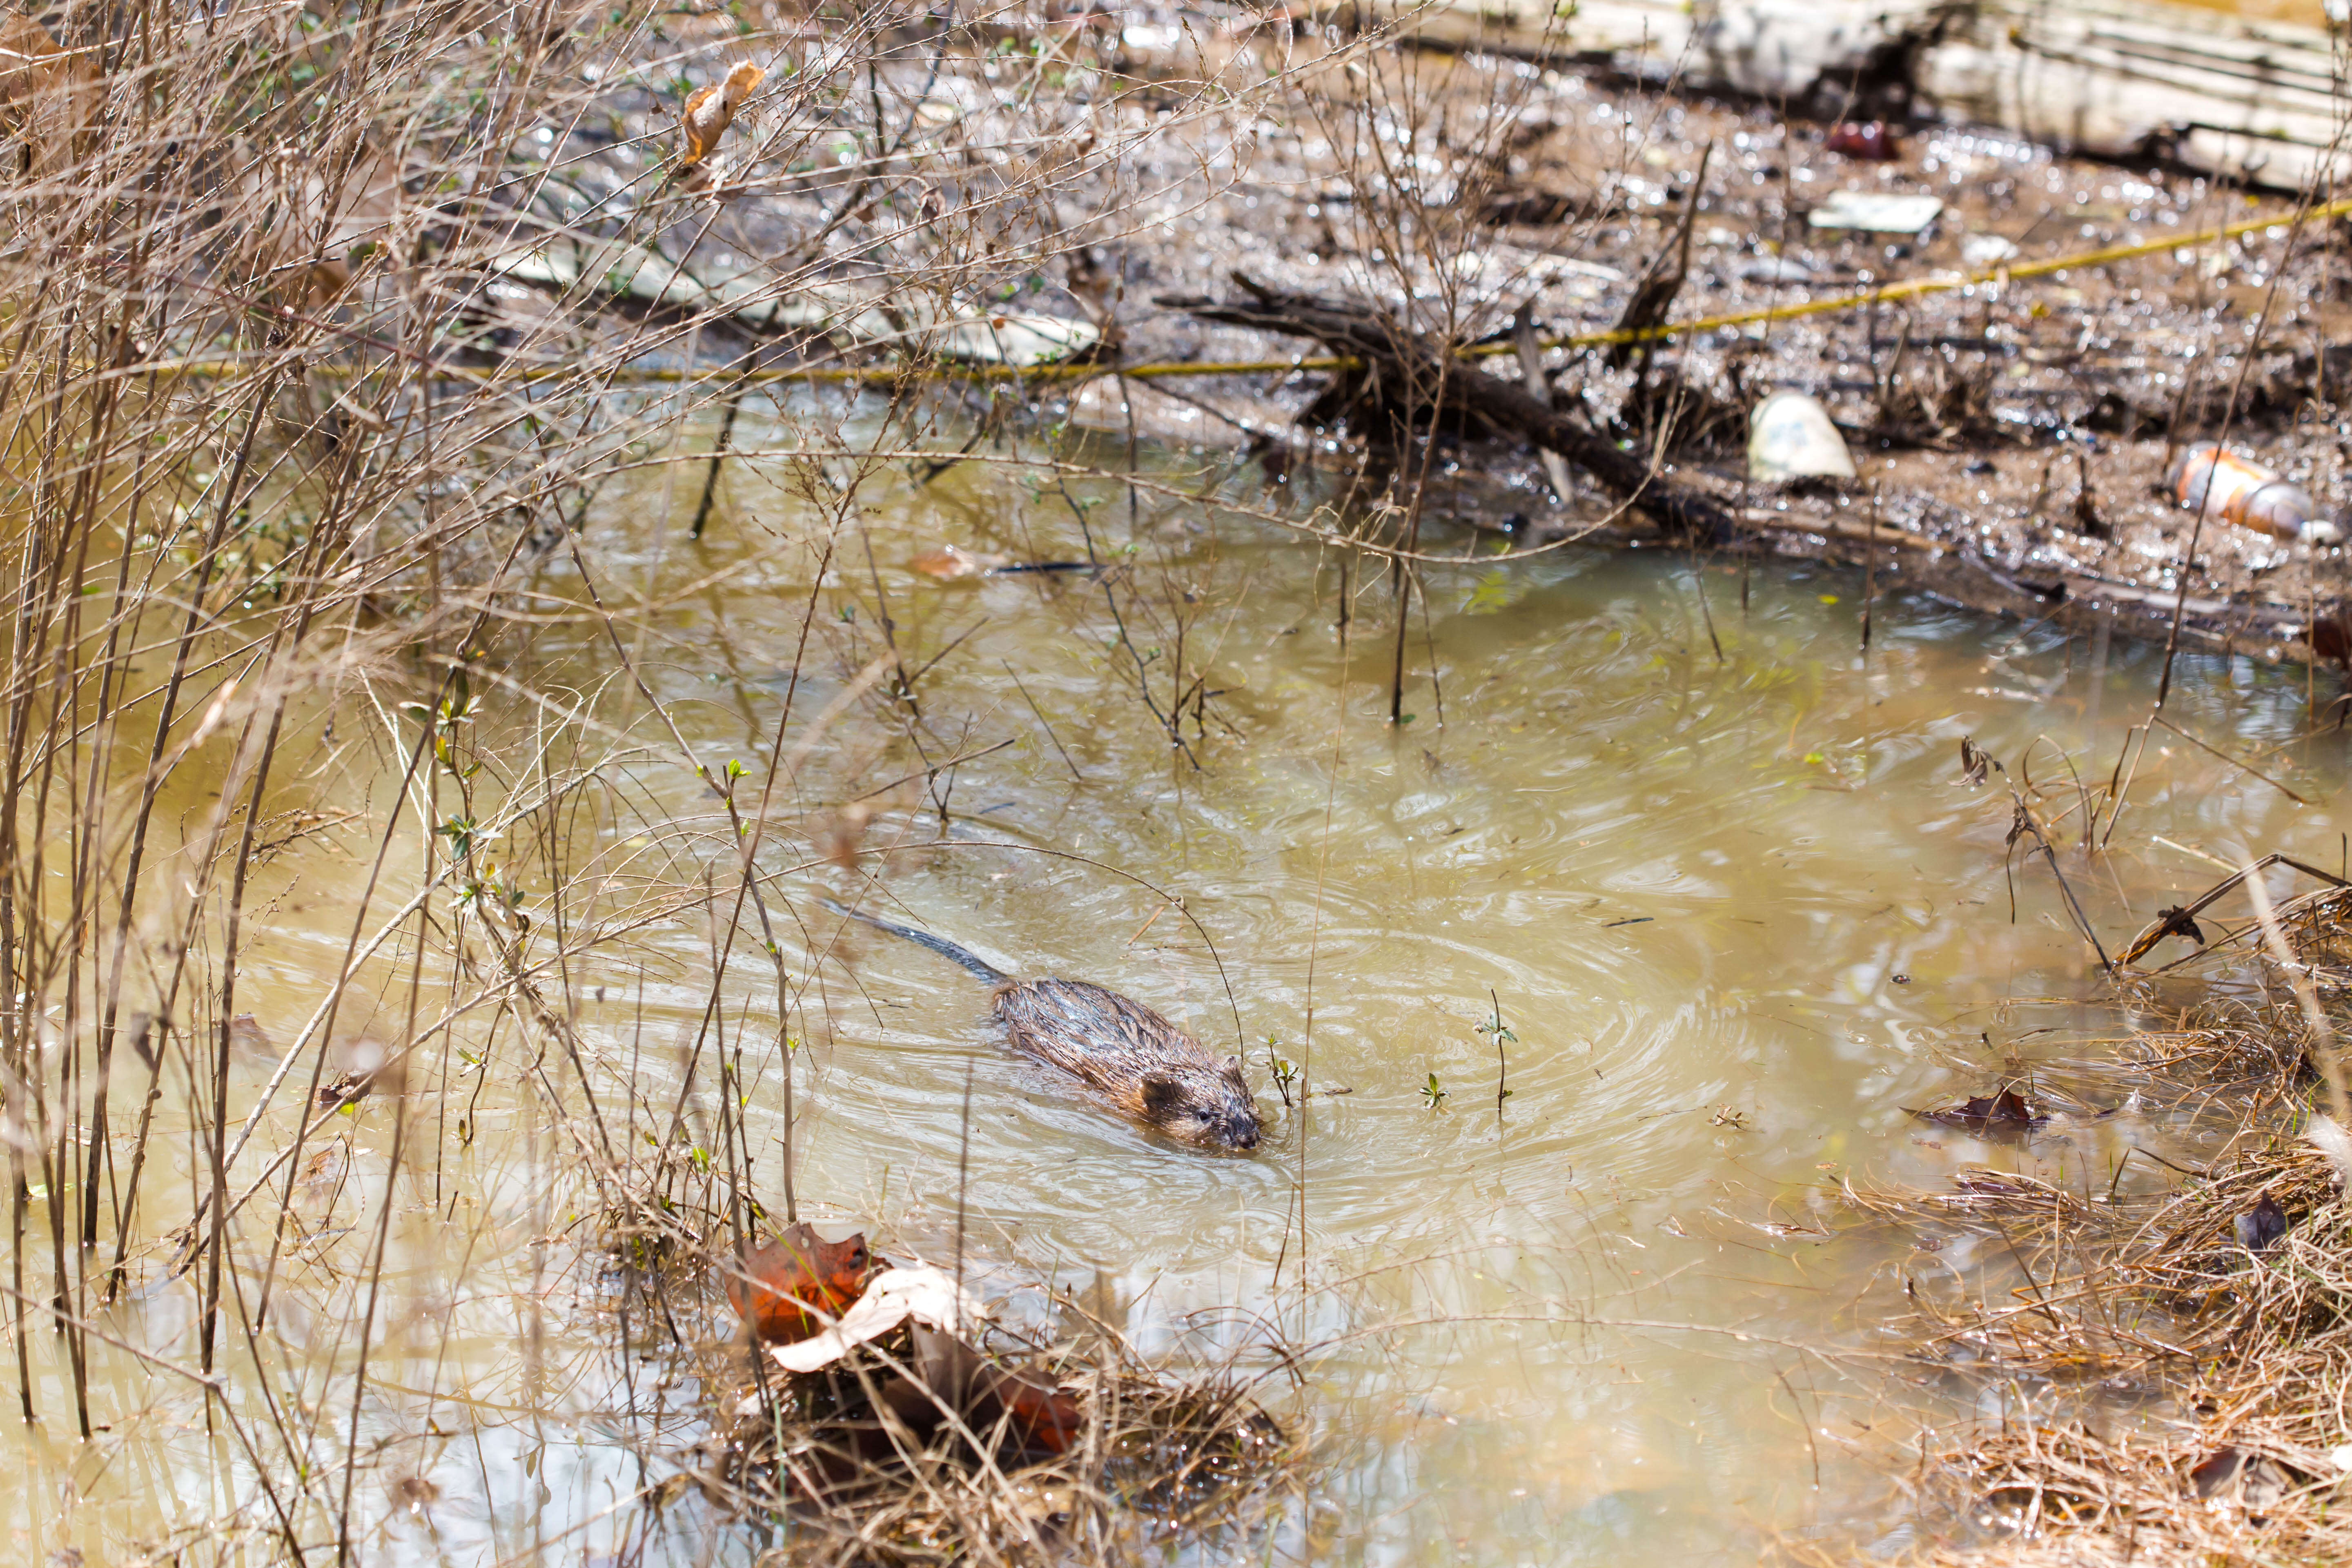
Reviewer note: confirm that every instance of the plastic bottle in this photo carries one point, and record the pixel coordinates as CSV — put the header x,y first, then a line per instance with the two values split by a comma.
x,y
2241,490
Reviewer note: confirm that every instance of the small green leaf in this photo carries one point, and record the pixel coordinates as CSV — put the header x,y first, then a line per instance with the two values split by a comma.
x,y
1490,594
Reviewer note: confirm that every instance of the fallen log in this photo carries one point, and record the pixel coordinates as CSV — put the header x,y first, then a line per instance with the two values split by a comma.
x,y
2239,96
1416,374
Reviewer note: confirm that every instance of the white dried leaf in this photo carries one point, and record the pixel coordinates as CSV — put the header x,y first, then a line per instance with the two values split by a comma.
x,y
928,1295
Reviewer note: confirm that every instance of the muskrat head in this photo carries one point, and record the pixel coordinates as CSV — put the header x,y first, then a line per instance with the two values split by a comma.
x,y
1201,1106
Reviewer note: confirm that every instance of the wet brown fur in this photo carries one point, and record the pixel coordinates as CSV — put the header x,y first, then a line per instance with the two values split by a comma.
x,y
1152,1068
1137,1060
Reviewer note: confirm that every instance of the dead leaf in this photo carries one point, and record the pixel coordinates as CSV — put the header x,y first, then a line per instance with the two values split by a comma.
x,y
323,1171
947,563
2173,921
2260,1227
1032,1410
305,224
348,1088
923,1293
794,1285
2232,1474
2006,1113
711,111
415,1493
49,95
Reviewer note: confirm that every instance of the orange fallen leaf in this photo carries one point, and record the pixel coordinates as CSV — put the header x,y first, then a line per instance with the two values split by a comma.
x,y
782,1281
712,109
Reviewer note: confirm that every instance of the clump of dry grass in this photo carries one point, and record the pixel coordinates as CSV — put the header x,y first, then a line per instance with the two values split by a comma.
x,y
2249,1350
2175,1363
876,1460
1161,1460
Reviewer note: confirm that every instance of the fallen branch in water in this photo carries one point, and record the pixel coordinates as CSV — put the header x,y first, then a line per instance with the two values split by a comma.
x,y
1401,361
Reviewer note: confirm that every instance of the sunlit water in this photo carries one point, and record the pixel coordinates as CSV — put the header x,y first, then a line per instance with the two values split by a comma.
x,y
1737,911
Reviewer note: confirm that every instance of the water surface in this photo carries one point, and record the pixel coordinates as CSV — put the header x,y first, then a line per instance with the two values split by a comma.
x,y
1715,865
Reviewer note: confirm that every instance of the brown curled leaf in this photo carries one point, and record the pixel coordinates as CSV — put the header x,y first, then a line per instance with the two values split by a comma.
x,y
711,111
2006,1113
48,94
1025,1408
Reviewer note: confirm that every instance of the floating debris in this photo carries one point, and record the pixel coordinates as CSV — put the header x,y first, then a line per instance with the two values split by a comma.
x,y
925,1295
2006,1113
947,563
902,322
2261,1228
1774,269
792,1287
1983,250
1869,141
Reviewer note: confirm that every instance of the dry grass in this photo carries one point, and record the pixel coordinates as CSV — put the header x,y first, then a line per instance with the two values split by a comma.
x,y
2173,1378
1162,1462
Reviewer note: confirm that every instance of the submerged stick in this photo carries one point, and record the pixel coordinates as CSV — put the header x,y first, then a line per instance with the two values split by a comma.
x,y
1043,719
2217,751
726,438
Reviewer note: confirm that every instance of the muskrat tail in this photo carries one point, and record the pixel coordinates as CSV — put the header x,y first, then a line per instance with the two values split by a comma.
x,y
939,945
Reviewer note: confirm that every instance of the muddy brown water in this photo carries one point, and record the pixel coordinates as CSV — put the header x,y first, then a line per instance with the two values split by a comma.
x,y
1738,911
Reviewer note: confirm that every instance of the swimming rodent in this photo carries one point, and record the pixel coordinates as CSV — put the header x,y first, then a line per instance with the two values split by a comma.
x,y
1147,1067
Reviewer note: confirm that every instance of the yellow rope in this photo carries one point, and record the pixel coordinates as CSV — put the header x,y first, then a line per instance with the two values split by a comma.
x,y
1909,289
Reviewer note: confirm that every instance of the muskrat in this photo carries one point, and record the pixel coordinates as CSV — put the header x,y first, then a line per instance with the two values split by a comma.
x,y
1147,1067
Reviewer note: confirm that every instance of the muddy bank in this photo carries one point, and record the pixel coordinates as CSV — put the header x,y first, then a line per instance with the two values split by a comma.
x,y
2011,436
1031,192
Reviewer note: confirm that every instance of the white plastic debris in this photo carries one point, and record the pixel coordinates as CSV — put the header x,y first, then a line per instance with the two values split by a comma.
x,y
929,1296
1790,436
1875,212
1983,250
1774,269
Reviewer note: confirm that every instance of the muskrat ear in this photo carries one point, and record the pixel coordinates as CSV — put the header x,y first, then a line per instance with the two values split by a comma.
x,y
1159,1093
1233,1068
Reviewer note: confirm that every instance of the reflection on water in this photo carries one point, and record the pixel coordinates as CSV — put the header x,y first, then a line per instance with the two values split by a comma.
x,y
1734,911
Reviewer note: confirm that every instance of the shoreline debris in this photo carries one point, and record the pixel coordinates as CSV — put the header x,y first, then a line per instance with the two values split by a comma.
x,y
1791,436
2241,491
1410,376
2005,1114
1875,212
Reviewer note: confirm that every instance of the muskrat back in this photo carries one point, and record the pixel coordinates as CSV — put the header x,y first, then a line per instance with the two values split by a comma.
x,y
1147,1066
